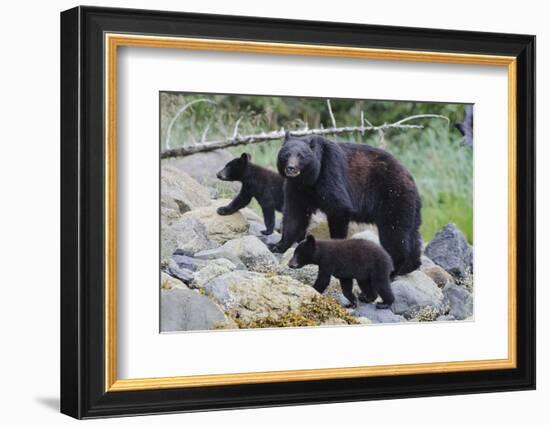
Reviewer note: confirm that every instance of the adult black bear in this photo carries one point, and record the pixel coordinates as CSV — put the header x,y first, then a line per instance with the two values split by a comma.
x,y
350,182
258,182
359,259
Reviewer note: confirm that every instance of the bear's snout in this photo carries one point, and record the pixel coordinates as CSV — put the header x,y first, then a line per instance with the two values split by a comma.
x,y
292,168
291,171
221,175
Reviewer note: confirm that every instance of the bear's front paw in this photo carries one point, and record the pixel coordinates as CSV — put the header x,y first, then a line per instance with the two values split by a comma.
x,y
223,211
276,248
382,306
266,232
351,304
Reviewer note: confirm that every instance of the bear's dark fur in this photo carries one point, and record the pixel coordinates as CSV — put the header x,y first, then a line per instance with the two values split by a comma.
x,y
350,182
258,182
346,260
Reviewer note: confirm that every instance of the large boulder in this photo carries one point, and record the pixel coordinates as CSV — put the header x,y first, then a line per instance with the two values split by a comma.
x,y
450,250
186,233
180,193
248,250
202,166
211,270
460,301
259,300
219,228
250,296
415,292
187,310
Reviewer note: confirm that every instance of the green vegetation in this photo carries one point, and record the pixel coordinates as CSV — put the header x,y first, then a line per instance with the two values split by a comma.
x,y
441,166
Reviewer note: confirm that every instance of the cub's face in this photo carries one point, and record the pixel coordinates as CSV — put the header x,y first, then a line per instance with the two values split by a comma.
x,y
303,254
234,169
298,159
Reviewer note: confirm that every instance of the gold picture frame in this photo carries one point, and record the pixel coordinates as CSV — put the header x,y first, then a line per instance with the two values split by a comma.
x,y
114,41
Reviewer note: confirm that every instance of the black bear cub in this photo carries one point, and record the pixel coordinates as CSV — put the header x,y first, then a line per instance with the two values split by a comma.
x,y
346,260
257,182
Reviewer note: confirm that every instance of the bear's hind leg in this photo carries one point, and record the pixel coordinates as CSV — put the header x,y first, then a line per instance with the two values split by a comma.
x,y
381,282
368,294
396,242
413,261
347,290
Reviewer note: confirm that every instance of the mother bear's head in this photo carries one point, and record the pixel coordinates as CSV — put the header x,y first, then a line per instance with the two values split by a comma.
x,y
300,158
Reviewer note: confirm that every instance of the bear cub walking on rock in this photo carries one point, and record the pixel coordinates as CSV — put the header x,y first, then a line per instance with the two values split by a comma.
x,y
258,182
346,260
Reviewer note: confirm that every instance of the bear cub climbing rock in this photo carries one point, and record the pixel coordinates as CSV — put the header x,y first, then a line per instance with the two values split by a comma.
x,y
257,182
359,259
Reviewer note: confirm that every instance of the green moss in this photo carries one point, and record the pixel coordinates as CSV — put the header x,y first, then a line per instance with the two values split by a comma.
x,y
312,313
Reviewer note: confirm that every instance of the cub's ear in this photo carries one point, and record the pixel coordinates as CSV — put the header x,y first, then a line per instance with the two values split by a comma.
x,y
287,136
310,239
246,157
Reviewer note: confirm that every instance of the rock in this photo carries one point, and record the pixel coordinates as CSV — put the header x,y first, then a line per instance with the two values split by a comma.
x,y
248,250
255,229
250,296
450,250
460,300
376,315
445,318
426,261
187,310
219,228
369,235
202,166
184,260
249,214
415,291
183,274
334,321
211,270
437,274
363,320
169,282
180,193
186,233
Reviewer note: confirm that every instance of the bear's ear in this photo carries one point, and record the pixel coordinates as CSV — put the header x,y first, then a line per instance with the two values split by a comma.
x,y
313,142
310,240
246,157
287,136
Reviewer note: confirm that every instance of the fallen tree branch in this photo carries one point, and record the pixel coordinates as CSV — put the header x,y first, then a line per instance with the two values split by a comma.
x,y
237,140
